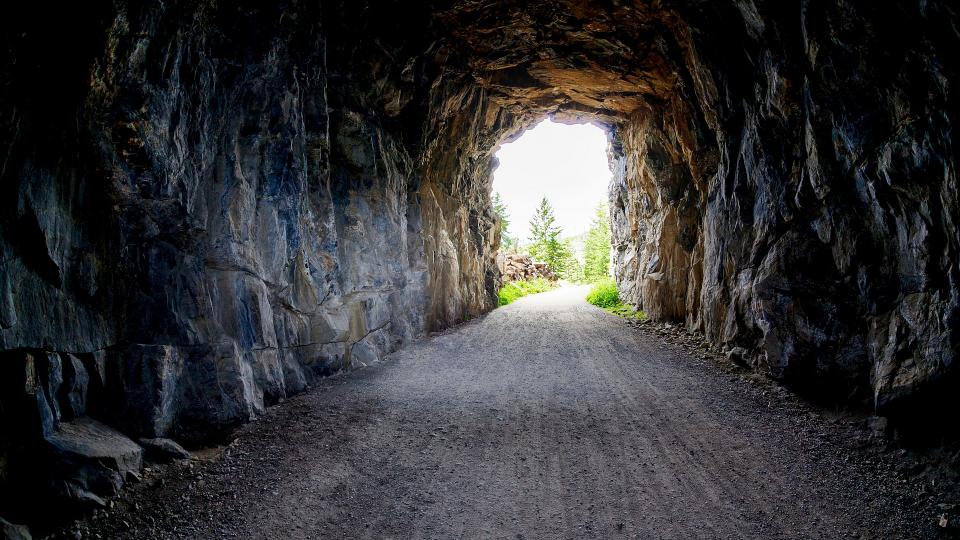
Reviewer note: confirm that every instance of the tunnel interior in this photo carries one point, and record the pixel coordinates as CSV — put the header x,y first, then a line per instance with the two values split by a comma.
x,y
207,206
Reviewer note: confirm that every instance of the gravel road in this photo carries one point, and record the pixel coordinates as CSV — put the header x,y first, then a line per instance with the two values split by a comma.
x,y
548,418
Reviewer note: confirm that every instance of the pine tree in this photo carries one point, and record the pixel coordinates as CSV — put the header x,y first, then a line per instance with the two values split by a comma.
x,y
545,242
543,232
506,241
596,249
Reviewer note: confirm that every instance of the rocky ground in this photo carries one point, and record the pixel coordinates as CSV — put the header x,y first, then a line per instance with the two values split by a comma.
x,y
546,418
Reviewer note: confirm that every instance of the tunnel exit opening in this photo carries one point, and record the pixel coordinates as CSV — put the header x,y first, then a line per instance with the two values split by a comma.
x,y
551,190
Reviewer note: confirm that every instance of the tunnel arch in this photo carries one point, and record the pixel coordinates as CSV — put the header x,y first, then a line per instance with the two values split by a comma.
x,y
234,200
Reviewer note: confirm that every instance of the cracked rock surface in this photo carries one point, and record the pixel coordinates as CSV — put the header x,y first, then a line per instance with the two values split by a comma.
x,y
206,207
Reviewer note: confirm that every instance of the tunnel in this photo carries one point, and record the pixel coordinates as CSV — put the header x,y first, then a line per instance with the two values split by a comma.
x,y
208,207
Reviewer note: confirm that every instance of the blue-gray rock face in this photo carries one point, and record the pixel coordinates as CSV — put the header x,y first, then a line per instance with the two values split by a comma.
x,y
210,206
798,197
205,206
231,224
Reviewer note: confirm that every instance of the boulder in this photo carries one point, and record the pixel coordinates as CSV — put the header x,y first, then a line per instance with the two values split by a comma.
x,y
89,460
161,450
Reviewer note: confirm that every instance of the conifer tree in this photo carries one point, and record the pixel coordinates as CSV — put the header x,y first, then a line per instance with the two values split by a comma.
x,y
596,248
545,242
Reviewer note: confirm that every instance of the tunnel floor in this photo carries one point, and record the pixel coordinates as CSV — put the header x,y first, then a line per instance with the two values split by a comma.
x,y
548,418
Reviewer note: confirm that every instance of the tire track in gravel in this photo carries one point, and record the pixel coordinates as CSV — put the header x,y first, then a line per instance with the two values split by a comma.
x,y
547,418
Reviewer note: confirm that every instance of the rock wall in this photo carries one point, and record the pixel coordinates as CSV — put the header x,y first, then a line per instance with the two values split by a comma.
x,y
798,196
206,205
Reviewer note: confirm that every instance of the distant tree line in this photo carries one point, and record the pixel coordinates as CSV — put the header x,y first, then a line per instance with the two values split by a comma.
x,y
547,244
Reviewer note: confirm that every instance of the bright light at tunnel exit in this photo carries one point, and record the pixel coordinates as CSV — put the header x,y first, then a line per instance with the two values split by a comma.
x,y
565,163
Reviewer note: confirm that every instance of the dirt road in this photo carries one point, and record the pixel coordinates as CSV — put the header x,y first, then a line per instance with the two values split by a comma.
x,y
548,418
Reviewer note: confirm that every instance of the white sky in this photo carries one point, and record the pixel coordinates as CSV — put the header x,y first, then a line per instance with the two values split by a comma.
x,y
567,163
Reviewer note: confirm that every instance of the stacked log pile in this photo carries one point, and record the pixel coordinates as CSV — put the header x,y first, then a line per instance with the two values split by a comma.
x,y
516,267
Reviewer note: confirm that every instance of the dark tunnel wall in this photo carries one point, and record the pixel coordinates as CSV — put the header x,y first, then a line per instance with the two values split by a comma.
x,y
206,206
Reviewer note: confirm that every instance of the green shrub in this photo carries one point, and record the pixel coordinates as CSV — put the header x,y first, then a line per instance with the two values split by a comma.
x,y
517,289
604,295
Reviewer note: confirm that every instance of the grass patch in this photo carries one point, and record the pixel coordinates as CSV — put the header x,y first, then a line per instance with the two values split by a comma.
x,y
518,289
604,294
